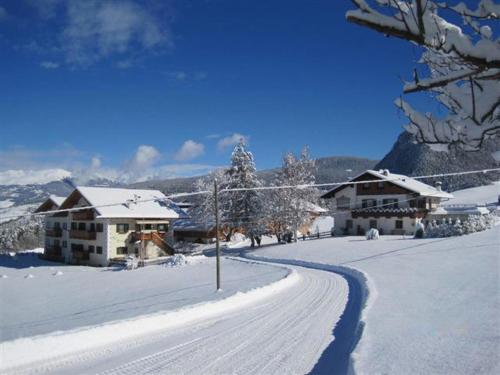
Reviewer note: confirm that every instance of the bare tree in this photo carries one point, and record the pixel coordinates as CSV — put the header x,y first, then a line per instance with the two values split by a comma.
x,y
463,65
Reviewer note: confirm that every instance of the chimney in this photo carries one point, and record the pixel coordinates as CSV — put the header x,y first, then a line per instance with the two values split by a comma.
x,y
438,185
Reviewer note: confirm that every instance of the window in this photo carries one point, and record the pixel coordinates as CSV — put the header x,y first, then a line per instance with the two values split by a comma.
x,y
57,225
91,249
137,227
122,228
366,186
399,224
121,250
65,244
76,247
98,249
343,203
390,203
373,224
367,203
99,227
147,227
162,228
380,185
81,226
348,224
73,226
65,226
92,227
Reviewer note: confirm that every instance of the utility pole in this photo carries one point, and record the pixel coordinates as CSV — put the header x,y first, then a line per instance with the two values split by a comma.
x,y
217,248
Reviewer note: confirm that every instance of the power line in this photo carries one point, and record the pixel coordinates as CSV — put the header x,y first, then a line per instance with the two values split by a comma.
x,y
302,186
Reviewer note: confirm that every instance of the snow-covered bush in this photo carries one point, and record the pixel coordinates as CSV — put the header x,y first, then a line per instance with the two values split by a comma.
x,y
131,262
372,234
176,261
448,228
419,230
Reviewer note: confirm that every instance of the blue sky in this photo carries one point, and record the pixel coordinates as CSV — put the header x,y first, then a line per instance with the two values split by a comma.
x,y
84,85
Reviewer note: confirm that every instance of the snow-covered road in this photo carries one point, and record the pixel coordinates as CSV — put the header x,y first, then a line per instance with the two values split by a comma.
x,y
284,333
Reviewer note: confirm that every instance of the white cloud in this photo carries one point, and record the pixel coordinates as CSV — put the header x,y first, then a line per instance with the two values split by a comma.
x,y
125,64
96,30
25,177
230,140
95,162
49,65
19,165
144,157
189,150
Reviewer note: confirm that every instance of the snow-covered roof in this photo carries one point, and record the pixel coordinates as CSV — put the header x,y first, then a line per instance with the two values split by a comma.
x,y
402,181
411,184
57,200
51,203
192,225
130,203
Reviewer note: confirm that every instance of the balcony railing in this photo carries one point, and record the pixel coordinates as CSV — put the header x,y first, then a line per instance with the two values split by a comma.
x,y
53,232
82,234
146,236
83,215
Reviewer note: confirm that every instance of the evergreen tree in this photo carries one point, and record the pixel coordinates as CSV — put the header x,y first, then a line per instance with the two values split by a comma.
x,y
242,209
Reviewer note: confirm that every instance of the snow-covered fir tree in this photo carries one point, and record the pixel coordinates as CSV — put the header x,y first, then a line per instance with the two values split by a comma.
x,y
242,209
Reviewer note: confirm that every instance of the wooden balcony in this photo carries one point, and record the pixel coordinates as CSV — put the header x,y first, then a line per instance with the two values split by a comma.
x,y
147,236
83,215
82,234
53,232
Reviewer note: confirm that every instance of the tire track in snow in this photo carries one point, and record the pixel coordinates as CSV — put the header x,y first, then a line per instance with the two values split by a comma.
x,y
286,333
336,359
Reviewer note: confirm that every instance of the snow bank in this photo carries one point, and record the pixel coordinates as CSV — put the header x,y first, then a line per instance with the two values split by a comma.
x,y
61,344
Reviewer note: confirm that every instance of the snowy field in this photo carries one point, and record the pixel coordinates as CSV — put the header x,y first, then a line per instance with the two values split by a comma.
x,y
434,303
478,195
40,297
432,309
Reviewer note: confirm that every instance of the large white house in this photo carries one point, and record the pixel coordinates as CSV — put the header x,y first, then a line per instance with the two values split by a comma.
x,y
389,202
117,223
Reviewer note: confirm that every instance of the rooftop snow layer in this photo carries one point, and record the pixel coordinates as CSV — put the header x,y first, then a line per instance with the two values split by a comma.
x,y
131,203
57,200
411,184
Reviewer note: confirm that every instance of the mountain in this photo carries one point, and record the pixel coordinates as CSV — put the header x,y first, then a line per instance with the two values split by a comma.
x,y
414,159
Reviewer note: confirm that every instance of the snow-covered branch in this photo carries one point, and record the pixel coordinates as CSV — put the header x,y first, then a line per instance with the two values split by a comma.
x,y
464,65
